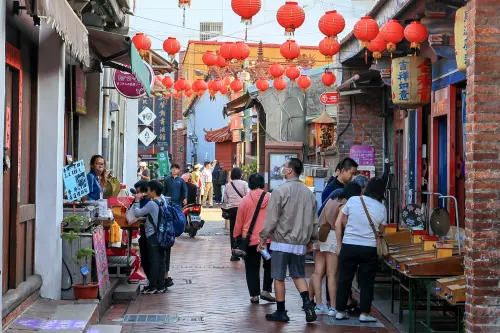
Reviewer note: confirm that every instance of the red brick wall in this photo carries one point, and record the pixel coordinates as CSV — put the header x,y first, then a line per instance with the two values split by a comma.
x,y
178,137
366,126
482,250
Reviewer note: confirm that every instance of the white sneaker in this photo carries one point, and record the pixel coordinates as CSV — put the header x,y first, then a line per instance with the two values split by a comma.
x,y
321,309
367,319
332,312
341,316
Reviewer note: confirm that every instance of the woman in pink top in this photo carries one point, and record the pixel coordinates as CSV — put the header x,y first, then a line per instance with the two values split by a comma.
x,y
252,260
234,193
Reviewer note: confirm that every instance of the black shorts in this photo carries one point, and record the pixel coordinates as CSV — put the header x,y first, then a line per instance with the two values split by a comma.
x,y
281,261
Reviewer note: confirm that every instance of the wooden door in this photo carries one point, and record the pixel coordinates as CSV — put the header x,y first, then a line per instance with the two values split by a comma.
x,y
7,179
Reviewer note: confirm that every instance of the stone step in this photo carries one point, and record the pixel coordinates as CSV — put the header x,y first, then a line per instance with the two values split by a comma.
x,y
126,291
104,329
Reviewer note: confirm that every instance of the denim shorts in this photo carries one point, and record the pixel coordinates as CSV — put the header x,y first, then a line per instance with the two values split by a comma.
x,y
281,261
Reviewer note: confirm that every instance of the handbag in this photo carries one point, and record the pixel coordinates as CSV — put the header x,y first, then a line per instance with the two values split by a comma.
x,y
382,247
242,244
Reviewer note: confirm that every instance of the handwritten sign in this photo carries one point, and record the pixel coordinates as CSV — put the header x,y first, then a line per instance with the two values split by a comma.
x,y
363,155
101,260
75,181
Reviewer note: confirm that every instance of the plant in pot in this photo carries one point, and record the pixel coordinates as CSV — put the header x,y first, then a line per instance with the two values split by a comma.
x,y
82,256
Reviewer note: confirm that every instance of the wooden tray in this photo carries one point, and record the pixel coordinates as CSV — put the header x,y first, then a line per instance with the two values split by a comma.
x,y
438,267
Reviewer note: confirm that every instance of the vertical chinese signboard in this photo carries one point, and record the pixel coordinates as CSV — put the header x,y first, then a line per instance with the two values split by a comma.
x,y
154,126
80,91
411,80
461,38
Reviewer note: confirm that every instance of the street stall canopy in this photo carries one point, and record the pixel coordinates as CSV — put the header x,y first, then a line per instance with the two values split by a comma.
x,y
117,51
60,15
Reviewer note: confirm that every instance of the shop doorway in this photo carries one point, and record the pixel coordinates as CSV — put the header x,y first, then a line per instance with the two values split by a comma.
x,y
7,176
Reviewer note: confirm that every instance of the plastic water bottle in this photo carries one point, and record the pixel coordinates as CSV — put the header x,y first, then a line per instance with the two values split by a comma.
x,y
265,254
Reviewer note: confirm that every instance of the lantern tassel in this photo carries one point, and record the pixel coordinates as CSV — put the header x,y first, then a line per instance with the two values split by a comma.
x,y
366,57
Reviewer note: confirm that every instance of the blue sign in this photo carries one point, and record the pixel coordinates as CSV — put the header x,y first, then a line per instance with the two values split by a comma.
x,y
75,181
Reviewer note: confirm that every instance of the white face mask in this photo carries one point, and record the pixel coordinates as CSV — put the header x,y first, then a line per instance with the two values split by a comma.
x,y
283,174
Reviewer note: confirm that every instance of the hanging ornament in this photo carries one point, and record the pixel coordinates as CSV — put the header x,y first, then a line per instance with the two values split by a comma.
x,y
276,70
225,51
176,94
377,46
329,47
200,86
328,78
393,33
262,84
416,33
227,80
246,9
236,85
290,16
188,93
279,83
224,90
180,85
304,82
172,47
168,82
325,128
216,85
221,62
293,73
142,43
366,30
209,58
331,24
240,51
290,50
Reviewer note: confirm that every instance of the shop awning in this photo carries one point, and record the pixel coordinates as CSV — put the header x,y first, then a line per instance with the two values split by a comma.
x,y
117,51
60,15
238,105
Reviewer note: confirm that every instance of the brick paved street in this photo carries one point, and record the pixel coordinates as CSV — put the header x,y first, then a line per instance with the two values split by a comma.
x,y
210,295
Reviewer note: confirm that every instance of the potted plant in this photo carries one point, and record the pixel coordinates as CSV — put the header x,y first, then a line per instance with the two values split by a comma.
x,y
81,256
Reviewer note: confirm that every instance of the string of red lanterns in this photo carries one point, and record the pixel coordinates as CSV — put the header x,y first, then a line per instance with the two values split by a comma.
x,y
393,33
246,9
291,16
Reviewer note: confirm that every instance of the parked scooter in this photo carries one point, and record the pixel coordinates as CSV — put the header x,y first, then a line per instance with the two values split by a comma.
x,y
193,219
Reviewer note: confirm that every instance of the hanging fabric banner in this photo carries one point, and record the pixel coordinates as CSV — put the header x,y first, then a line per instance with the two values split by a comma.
x,y
411,81
461,38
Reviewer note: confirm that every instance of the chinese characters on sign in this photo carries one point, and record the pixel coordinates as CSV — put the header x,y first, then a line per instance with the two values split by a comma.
x,y
127,84
461,38
324,135
411,79
75,181
101,260
154,126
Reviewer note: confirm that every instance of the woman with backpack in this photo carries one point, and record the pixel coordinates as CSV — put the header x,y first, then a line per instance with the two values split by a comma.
x,y
156,253
235,191
247,212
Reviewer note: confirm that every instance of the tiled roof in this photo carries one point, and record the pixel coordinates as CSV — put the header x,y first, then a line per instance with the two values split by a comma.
x,y
219,135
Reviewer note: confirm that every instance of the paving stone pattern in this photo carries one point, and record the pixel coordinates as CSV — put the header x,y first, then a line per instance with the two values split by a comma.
x,y
210,295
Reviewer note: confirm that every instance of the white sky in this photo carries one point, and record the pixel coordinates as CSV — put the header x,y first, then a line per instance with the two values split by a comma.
x,y
163,19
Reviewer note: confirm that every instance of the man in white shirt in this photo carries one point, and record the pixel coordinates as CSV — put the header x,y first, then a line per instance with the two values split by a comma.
x,y
206,178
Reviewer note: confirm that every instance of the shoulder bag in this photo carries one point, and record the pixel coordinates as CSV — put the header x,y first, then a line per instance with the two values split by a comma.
x,y
232,184
325,228
382,247
242,244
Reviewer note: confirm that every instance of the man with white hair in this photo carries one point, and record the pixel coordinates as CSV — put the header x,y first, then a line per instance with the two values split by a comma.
x,y
144,173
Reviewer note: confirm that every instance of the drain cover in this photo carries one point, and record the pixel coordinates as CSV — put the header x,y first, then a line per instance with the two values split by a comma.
x,y
150,319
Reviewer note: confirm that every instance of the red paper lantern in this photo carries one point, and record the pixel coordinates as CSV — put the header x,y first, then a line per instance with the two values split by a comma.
x,y
209,58
141,42
187,86
393,33
246,9
168,82
225,51
279,83
227,80
416,33
377,46
276,70
324,134
177,94
215,85
224,90
290,16
290,50
328,78
292,72
262,84
240,51
366,29
329,47
236,85
171,46
304,82
180,85
199,87
221,62
331,24
188,93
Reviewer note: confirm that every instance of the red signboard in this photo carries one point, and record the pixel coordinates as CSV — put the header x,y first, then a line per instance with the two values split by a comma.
x,y
329,98
101,260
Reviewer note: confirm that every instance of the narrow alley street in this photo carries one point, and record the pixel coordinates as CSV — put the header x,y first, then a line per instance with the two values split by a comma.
x,y
210,295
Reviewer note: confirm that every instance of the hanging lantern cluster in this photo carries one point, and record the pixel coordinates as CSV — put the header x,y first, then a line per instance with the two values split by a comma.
x,y
291,16
329,47
377,46
290,50
172,46
247,9
416,33
392,33
142,43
